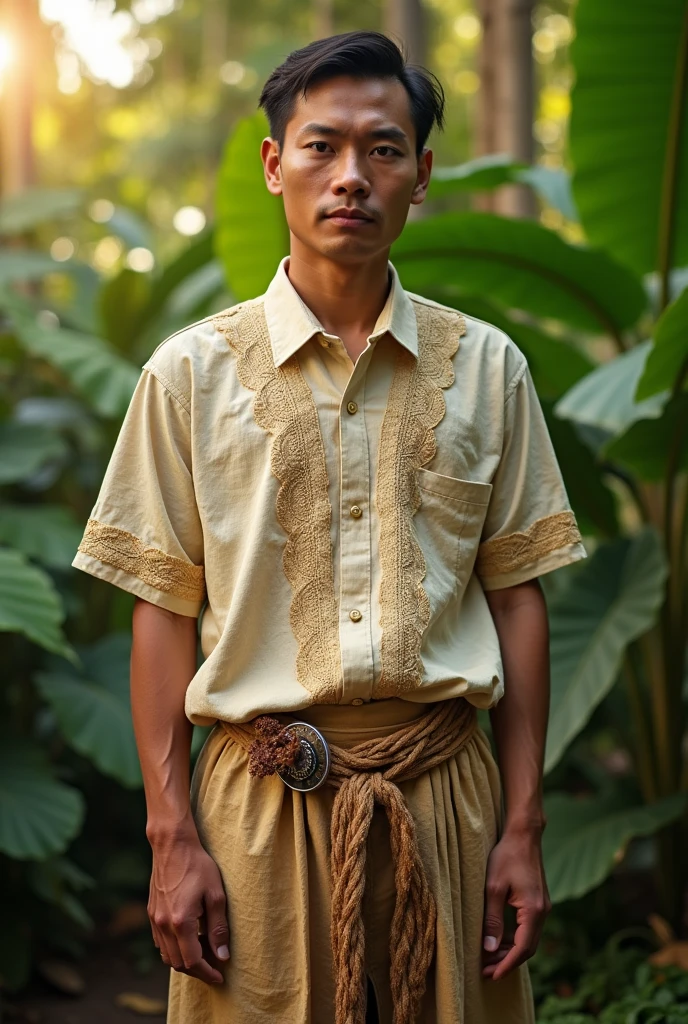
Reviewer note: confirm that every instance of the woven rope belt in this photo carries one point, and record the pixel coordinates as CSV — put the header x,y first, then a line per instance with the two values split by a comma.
x,y
364,775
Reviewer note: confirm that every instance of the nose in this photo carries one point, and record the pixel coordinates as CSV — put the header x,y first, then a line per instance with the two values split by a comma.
x,y
350,177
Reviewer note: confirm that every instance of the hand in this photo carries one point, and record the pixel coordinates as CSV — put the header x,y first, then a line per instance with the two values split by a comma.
x,y
187,897
515,875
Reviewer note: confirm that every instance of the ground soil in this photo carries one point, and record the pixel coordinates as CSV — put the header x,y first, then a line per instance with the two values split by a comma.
x,y
108,970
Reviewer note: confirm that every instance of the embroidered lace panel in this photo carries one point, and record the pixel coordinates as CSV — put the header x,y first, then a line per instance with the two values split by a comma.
x,y
407,441
504,554
121,549
284,407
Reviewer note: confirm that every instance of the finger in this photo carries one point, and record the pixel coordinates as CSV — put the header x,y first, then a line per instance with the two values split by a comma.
x,y
525,942
192,955
493,920
490,966
166,940
217,929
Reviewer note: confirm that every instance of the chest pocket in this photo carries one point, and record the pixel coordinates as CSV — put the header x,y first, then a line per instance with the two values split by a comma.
x,y
448,525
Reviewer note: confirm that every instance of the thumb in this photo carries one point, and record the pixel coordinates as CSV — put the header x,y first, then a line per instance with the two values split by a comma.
x,y
216,924
493,922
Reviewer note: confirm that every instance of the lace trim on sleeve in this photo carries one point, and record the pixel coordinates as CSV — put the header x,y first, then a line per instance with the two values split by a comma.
x,y
121,549
513,551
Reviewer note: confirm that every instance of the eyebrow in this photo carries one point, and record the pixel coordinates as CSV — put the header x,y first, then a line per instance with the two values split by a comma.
x,y
388,132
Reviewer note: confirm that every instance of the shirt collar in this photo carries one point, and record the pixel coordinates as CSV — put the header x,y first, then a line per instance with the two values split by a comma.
x,y
291,323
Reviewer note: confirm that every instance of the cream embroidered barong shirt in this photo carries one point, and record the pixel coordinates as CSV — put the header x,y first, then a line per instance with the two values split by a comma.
x,y
334,525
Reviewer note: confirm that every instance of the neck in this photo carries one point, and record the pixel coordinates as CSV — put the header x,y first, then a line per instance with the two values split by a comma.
x,y
347,299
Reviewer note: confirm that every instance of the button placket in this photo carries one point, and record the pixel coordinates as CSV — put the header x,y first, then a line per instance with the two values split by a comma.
x,y
355,542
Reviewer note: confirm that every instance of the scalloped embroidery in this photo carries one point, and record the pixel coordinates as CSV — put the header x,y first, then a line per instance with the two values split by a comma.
x,y
123,550
514,550
284,407
407,441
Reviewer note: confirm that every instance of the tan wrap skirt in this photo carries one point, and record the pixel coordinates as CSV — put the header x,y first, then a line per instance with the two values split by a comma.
x,y
272,846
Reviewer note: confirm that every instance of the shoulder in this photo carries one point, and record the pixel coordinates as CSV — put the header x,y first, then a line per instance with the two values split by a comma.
x,y
182,360
484,348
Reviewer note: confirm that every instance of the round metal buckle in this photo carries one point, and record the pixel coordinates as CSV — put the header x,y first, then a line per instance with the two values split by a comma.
x,y
313,764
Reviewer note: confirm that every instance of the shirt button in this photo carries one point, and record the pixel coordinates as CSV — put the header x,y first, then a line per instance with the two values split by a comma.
x,y
351,407
356,511
355,615
357,701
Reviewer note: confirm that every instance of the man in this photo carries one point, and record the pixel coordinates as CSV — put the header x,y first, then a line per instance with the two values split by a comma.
x,y
354,488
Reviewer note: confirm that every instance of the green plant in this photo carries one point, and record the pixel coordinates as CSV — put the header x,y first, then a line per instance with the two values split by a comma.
x,y
70,347
618,986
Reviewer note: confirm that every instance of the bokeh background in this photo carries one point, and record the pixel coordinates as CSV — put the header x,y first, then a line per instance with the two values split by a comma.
x,y
132,204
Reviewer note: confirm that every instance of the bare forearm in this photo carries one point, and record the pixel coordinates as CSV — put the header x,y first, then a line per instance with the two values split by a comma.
x,y
519,721
163,661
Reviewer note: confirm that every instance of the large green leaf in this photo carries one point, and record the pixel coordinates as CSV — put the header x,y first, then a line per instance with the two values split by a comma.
x,y
495,169
630,62
482,173
55,882
612,599
103,377
585,838
669,352
644,448
39,816
555,365
197,254
25,447
29,604
605,398
26,265
591,499
34,206
553,184
133,231
93,710
251,235
122,301
521,265
47,533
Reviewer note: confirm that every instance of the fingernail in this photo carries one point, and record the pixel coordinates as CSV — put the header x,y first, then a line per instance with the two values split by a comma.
x,y
490,943
223,952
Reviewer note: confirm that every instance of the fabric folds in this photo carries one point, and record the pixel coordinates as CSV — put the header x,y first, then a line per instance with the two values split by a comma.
x,y
273,849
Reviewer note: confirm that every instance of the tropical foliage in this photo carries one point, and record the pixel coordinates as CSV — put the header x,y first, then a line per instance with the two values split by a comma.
x,y
604,326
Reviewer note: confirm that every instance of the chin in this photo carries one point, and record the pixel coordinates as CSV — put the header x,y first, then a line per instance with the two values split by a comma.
x,y
347,249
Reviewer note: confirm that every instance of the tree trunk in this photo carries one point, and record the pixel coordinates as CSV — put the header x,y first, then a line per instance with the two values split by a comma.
x,y
323,18
17,164
215,28
506,97
404,21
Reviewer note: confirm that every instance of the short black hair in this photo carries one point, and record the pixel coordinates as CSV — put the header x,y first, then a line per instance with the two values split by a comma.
x,y
361,55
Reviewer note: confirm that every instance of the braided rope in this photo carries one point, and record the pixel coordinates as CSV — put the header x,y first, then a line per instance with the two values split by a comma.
x,y
363,776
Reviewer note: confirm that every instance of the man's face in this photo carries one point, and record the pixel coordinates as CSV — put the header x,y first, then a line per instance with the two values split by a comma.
x,y
348,170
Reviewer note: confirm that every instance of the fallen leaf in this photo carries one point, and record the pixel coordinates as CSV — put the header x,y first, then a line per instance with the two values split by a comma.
x,y
63,976
130,917
143,1005
661,928
673,954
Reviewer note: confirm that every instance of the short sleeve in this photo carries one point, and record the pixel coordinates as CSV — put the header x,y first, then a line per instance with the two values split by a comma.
x,y
529,529
144,533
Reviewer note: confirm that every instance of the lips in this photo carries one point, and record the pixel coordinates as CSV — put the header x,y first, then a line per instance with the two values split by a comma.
x,y
346,214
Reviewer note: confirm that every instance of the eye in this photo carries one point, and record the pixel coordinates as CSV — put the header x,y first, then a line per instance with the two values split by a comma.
x,y
386,151
319,147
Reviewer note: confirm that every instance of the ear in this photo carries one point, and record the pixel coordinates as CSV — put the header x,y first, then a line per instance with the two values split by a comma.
x,y
269,154
423,178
